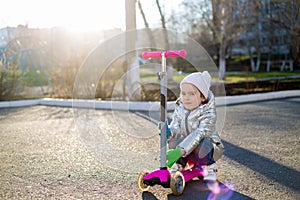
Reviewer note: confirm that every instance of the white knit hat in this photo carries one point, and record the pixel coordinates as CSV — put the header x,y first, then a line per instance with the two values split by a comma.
x,y
200,80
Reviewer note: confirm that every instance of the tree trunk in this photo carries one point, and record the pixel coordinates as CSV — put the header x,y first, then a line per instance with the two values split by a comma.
x,y
163,24
269,63
258,62
255,65
149,32
252,62
283,63
222,61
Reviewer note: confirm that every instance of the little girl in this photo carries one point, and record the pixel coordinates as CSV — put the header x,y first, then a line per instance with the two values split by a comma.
x,y
194,136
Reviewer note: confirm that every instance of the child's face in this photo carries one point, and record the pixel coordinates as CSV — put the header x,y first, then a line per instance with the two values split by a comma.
x,y
190,96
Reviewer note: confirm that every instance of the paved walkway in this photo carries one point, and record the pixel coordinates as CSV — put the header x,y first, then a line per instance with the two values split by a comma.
x,y
65,153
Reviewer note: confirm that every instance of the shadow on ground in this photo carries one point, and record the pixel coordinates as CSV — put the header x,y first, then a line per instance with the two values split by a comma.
x,y
197,190
283,175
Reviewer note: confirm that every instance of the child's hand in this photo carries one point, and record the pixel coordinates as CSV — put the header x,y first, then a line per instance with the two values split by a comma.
x,y
168,130
182,151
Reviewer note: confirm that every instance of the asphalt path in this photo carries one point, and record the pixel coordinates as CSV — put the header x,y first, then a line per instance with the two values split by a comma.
x,y
64,153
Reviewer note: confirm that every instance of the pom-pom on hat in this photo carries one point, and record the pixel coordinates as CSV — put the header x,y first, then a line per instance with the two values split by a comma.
x,y
200,80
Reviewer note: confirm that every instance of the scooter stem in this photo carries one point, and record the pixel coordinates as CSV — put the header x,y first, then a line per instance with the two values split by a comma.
x,y
163,97
163,112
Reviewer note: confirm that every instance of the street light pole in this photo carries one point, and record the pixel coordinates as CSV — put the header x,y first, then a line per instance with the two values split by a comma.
x,y
130,14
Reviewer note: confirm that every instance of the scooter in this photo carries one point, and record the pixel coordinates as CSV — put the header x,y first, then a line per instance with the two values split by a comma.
x,y
176,181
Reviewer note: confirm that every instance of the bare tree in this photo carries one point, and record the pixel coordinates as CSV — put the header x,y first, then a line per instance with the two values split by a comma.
x,y
162,18
222,19
163,22
150,35
269,28
217,16
250,14
143,14
220,22
287,18
257,27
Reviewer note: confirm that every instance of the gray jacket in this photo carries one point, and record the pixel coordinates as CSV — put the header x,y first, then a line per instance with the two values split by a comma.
x,y
188,128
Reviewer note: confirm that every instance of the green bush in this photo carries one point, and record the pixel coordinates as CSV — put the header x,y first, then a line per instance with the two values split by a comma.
x,y
8,84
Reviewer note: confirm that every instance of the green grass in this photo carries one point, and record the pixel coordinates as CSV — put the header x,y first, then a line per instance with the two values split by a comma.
x,y
178,78
241,58
30,78
149,75
247,76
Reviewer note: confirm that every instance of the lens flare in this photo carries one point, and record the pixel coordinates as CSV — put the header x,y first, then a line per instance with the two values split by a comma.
x,y
120,131
220,191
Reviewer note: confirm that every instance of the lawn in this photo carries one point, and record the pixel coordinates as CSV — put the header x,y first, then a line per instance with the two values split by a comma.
x,y
248,76
150,76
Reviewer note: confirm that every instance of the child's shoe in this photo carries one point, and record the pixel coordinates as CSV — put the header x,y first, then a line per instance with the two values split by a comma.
x,y
174,169
210,172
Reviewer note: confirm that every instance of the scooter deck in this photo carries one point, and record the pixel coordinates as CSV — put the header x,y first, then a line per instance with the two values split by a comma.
x,y
158,177
163,176
189,174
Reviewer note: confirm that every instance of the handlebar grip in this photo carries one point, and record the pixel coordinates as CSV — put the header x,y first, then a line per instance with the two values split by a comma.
x,y
168,54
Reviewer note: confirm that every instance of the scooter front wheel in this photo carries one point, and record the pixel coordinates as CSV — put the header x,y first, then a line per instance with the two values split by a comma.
x,y
177,183
142,186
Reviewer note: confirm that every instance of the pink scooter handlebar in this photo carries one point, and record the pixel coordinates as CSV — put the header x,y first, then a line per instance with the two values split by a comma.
x,y
168,54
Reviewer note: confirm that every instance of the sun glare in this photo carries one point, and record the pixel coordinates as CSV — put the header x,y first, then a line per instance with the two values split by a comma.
x,y
76,16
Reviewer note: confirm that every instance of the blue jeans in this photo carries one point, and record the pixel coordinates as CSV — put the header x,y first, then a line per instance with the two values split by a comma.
x,y
202,155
